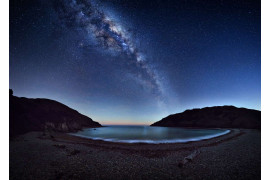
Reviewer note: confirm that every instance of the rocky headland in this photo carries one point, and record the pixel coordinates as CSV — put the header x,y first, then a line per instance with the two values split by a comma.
x,y
27,114
214,117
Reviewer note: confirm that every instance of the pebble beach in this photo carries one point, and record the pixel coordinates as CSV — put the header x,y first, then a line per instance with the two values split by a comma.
x,y
36,155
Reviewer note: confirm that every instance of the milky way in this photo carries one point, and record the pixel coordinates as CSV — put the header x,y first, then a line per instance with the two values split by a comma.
x,y
136,61
102,31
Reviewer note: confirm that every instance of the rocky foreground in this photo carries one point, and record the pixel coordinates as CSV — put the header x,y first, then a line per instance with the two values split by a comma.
x,y
28,114
35,155
214,117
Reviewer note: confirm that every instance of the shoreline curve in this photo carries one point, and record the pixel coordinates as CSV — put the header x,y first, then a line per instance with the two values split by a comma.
x,y
165,141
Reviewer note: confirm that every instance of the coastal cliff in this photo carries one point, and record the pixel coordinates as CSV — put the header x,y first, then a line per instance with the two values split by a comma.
x,y
27,114
214,117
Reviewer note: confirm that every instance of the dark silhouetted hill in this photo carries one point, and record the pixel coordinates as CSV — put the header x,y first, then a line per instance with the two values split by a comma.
x,y
27,114
214,117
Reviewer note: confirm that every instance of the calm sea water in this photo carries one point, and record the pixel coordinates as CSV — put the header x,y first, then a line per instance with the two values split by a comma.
x,y
148,134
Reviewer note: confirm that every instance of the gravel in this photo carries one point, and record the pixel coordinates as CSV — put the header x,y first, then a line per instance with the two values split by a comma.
x,y
233,156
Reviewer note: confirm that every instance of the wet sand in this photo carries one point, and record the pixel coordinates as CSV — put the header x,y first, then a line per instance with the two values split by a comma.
x,y
236,155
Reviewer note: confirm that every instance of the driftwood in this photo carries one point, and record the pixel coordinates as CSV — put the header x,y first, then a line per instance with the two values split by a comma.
x,y
189,158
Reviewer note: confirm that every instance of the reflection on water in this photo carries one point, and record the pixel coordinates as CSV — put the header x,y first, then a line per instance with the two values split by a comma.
x,y
148,134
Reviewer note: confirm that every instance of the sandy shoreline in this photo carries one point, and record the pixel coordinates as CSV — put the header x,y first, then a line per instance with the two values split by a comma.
x,y
149,141
235,155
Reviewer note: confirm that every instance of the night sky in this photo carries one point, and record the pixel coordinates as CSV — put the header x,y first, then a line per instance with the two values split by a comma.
x,y
136,61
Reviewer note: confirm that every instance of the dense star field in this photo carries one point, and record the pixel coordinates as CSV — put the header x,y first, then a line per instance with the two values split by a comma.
x,y
136,61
